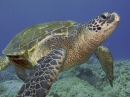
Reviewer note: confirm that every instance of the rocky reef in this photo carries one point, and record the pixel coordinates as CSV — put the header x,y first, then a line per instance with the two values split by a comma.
x,y
86,80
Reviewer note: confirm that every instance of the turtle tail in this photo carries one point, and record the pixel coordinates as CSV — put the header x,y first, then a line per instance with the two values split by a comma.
x,y
4,62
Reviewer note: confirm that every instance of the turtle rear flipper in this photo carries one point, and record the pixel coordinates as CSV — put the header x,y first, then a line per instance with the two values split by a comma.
x,y
43,75
21,73
4,62
106,61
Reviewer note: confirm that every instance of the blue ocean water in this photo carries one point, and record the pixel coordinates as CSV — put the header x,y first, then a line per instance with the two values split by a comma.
x,y
16,15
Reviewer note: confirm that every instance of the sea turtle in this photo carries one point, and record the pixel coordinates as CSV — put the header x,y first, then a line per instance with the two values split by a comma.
x,y
50,48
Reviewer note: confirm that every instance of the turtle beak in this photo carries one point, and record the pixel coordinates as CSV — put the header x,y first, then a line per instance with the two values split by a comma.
x,y
117,18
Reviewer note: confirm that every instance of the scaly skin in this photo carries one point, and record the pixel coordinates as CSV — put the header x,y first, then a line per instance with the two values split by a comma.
x,y
106,61
43,75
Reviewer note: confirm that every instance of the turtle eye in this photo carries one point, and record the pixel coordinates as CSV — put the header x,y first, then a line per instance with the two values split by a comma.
x,y
103,16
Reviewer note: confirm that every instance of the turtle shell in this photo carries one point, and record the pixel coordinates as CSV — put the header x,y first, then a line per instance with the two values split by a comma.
x,y
30,37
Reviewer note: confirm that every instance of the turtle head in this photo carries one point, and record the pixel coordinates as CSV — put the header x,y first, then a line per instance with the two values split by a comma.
x,y
104,23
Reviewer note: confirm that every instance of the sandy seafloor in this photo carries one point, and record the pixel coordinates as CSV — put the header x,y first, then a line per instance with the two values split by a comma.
x,y
86,80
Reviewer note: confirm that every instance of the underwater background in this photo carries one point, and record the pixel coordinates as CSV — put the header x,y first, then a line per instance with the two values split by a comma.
x,y
87,80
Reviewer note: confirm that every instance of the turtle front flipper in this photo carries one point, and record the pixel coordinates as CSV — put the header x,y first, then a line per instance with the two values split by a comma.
x,y
43,75
106,61
4,62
